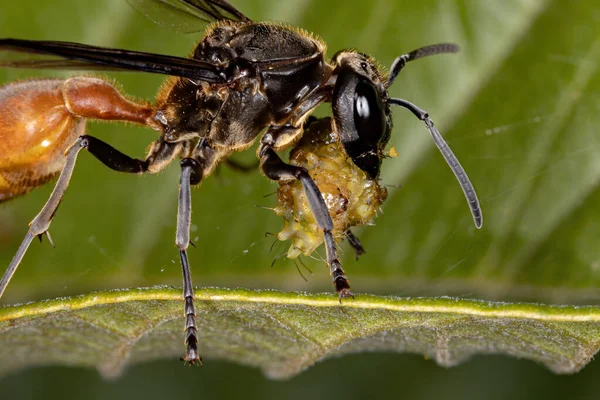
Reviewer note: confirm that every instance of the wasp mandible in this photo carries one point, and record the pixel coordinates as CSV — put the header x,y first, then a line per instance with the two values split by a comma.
x,y
242,79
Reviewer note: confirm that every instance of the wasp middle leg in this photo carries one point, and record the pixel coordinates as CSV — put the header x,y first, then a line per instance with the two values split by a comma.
x,y
193,169
274,168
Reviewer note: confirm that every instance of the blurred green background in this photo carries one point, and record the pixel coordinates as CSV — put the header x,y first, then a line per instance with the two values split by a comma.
x,y
519,106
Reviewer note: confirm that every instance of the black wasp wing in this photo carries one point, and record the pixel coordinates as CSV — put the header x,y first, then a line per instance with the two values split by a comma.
x,y
18,53
182,15
187,15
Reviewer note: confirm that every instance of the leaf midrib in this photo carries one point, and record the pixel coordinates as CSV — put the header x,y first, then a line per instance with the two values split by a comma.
x,y
440,305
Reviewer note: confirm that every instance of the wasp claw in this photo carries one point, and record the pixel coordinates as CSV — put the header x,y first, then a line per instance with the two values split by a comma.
x,y
49,238
41,236
345,294
192,361
191,356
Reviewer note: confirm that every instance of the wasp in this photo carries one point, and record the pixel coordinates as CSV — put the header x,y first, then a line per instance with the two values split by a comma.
x,y
243,80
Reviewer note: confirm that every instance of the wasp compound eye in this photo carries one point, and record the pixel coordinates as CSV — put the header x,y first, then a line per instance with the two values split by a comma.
x,y
360,120
369,118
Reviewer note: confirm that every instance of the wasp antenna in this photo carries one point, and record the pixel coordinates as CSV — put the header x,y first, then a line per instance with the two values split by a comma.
x,y
450,158
401,61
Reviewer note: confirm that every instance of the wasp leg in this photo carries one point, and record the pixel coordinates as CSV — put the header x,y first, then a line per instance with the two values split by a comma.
x,y
192,171
160,154
41,222
275,169
182,240
359,250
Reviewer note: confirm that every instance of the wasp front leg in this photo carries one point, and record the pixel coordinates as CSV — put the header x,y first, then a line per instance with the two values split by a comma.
x,y
274,168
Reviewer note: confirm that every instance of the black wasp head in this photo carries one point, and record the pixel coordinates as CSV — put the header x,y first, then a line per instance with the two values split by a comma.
x,y
362,116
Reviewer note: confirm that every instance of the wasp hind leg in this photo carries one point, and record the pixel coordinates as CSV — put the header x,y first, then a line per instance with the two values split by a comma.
x,y
56,111
275,169
160,154
40,224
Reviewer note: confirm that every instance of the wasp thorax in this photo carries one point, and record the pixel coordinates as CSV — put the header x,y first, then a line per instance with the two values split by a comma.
x,y
352,197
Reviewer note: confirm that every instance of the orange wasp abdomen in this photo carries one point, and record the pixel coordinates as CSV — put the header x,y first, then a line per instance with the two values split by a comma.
x,y
40,119
35,130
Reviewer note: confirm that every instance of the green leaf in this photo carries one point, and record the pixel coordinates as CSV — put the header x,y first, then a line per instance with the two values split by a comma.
x,y
285,333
